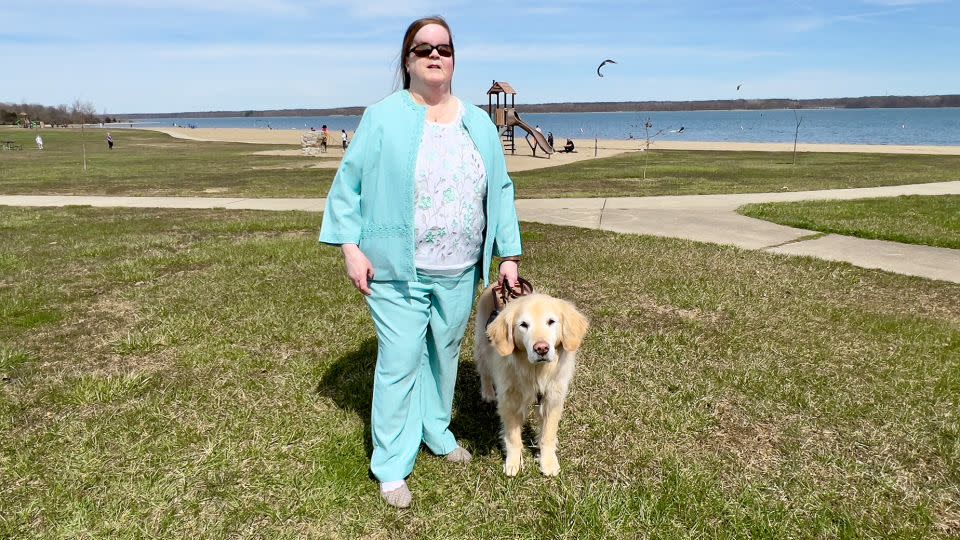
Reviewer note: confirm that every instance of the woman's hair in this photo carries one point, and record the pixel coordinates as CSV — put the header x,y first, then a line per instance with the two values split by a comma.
x,y
403,77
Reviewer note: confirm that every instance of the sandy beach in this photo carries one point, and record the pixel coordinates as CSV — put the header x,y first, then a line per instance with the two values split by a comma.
x,y
524,160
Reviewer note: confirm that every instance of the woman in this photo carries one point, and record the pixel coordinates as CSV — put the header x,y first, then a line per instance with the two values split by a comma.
x,y
420,205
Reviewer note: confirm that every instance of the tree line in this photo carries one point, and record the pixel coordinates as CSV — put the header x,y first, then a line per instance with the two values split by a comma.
x,y
61,115
867,102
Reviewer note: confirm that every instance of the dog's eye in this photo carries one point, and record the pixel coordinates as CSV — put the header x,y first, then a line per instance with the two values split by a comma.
x,y
524,325
550,322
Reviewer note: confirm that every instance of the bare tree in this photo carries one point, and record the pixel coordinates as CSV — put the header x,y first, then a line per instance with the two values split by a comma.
x,y
84,110
796,134
648,138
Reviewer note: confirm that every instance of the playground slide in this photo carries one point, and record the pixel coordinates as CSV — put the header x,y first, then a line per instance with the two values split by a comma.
x,y
537,136
513,119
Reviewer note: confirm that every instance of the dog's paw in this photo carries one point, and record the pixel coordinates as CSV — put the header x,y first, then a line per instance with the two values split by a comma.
x,y
549,464
512,465
487,393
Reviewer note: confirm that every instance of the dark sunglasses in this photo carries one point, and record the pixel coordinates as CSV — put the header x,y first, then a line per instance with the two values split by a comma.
x,y
424,50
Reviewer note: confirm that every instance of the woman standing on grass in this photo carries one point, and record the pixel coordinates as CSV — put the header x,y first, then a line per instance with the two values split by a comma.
x,y
420,205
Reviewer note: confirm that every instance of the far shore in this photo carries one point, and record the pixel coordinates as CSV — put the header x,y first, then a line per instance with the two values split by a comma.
x,y
524,160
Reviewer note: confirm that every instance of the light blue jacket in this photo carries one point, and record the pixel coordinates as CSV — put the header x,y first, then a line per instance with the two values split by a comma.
x,y
371,201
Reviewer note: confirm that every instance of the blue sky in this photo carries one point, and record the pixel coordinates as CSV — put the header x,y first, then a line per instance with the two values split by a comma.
x,y
189,55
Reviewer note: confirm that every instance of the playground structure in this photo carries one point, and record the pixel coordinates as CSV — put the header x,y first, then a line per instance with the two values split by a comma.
x,y
507,119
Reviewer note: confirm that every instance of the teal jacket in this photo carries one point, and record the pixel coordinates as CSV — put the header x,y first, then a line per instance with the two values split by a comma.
x,y
371,201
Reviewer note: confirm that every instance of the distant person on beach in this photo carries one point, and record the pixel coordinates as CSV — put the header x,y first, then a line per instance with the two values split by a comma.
x,y
39,140
343,138
568,147
109,141
421,140
324,133
550,138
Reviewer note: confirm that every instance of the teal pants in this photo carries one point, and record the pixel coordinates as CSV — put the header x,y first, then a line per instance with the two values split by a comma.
x,y
420,325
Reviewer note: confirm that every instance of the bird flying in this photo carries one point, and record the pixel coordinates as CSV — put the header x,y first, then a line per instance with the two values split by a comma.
x,y
739,85
605,62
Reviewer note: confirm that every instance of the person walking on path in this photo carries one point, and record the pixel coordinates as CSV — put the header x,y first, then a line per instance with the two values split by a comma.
x,y
109,141
39,140
420,206
343,138
324,133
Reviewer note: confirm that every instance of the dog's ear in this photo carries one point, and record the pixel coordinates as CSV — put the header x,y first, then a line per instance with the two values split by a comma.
x,y
500,331
573,326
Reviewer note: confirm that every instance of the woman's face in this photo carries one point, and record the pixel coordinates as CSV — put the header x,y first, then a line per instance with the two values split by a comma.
x,y
433,70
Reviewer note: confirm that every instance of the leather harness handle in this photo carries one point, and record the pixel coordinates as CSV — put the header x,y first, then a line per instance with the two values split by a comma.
x,y
503,292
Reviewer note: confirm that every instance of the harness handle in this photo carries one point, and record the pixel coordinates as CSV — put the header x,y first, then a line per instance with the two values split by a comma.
x,y
503,292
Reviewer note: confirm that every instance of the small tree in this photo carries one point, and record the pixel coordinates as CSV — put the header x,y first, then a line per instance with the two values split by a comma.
x,y
648,138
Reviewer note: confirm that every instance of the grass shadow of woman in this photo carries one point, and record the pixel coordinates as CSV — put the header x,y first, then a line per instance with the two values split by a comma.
x,y
349,383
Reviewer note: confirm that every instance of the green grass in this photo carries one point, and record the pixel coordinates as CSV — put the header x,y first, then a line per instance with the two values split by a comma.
x,y
151,163
155,164
914,219
675,172
206,374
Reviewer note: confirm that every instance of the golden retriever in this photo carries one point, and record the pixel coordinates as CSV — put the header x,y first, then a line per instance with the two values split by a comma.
x,y
529,358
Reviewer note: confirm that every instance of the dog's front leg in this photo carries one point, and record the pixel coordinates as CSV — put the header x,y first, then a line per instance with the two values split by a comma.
x,y
512,435
550,410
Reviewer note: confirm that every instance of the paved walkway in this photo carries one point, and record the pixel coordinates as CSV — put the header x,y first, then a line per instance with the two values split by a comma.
x,y
704,218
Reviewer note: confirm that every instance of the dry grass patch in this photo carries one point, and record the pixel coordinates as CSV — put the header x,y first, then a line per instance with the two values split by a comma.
x,y
208,373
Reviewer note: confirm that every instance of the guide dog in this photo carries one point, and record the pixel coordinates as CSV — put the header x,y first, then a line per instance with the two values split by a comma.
x,y
527,355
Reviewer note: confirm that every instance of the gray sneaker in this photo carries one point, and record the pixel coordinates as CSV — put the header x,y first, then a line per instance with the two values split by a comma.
x,y
459,455
398,498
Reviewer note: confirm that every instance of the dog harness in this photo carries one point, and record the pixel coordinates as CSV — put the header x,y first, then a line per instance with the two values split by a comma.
x,y
503,293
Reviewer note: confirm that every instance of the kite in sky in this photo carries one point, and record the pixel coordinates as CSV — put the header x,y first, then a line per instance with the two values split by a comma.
x,y
605,62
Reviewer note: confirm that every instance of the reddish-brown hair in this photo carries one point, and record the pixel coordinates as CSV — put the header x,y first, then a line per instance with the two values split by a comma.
x,y
403,76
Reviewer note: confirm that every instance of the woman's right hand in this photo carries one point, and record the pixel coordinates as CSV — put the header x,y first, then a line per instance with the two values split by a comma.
x,y
359,269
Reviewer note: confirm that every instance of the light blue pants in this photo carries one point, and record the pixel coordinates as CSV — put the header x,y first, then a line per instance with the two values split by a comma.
x,y
420,325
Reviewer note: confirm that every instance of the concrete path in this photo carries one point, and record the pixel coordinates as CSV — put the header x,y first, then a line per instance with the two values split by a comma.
x,y
704,218
713,218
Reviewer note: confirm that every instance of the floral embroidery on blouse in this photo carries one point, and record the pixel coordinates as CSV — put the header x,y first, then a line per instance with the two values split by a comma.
x,y
451,183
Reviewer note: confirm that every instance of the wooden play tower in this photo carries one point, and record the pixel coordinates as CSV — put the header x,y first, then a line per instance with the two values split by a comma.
x,y
499,113
507,119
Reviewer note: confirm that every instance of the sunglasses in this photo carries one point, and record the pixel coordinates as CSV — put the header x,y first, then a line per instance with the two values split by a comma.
x,y
424,50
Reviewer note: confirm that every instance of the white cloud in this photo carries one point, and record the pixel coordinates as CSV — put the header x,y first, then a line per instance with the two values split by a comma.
x,y
809,23
262,7
394,9
901,3
562,53
358,53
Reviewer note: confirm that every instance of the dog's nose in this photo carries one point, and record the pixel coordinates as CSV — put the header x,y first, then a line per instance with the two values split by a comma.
x,y
541,348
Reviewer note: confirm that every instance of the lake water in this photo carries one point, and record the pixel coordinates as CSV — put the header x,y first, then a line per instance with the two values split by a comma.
x,y
937,127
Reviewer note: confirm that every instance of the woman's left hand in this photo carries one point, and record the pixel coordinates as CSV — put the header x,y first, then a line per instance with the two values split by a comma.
x,y
510,270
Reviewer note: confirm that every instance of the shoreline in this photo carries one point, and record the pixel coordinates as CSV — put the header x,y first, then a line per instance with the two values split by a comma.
x,y
524,160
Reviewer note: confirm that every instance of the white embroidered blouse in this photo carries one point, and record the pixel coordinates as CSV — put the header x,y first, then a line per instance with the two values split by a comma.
x,y
451,183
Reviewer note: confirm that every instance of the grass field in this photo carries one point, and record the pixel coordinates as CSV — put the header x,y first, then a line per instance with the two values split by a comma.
x,y
675,172
151,163
155,164
931,221
206,374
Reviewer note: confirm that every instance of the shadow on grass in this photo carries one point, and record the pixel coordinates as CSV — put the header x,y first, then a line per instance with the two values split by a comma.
x,y
349,383
474,422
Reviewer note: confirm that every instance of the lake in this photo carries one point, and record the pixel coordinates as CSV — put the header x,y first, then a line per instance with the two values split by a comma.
x,y
935,127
